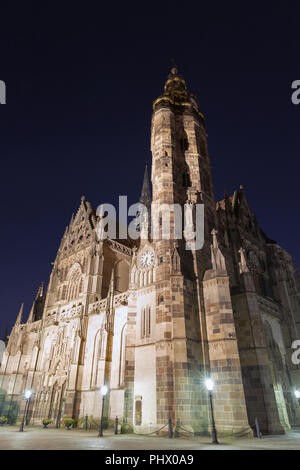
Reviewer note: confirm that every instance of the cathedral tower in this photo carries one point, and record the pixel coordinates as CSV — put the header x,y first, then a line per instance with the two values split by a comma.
x,y
168,365
172,338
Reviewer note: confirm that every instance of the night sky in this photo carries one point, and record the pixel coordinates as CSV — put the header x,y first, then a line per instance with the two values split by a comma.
x,y
80,81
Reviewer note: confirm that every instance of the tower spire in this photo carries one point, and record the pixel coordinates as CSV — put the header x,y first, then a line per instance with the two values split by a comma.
x,y
145,197
145,200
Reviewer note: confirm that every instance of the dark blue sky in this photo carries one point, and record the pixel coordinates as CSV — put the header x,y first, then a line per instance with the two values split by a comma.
x,y
80,84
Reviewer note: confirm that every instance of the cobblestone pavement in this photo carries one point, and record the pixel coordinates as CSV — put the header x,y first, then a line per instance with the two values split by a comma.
x,y
35,438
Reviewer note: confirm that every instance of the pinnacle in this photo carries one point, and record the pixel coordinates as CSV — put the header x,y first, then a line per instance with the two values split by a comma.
x,y
145,194
19,317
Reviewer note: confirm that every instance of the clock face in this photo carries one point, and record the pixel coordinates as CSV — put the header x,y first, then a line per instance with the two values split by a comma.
x,y
147,259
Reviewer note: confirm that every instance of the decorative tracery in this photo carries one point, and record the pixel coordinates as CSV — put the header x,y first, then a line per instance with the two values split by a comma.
x,y
74,278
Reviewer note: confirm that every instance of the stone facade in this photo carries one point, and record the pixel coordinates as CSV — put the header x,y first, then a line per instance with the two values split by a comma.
x,y
152,320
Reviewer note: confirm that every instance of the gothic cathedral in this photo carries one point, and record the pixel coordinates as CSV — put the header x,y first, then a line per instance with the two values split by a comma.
x,y
152,320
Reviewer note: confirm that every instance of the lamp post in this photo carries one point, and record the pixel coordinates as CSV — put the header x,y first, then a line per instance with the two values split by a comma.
x,y
297,395
27,396
209,383
104,391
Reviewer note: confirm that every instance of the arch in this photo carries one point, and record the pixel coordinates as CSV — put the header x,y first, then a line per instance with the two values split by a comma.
x,y
99,349
121,276
76,348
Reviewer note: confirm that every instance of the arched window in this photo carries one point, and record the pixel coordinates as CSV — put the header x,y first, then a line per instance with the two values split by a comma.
x,y
99,352
146,322
74,282
121,276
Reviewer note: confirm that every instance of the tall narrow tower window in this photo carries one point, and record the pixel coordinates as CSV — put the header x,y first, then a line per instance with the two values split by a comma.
x,y
148,326
186,181
143,323
184,143
146,322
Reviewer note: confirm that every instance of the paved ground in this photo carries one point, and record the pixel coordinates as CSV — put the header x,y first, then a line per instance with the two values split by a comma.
x,y
35,438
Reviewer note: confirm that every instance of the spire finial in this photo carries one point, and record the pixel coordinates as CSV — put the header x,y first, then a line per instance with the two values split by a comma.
x,y
174,69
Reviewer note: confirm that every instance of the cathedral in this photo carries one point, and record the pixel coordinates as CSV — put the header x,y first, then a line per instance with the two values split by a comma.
x,y
152,320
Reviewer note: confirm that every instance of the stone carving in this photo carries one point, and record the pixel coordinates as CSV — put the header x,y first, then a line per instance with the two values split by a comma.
x,y
243,263
217,258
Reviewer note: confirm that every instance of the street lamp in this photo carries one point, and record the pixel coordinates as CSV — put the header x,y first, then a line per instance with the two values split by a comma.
x,y
209,383
104,391
27,396
297,395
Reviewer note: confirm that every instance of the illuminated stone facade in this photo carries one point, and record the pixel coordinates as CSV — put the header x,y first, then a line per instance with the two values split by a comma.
x,y
151,319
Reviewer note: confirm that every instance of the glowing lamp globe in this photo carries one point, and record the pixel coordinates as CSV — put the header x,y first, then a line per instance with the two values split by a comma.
x,y
209,383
